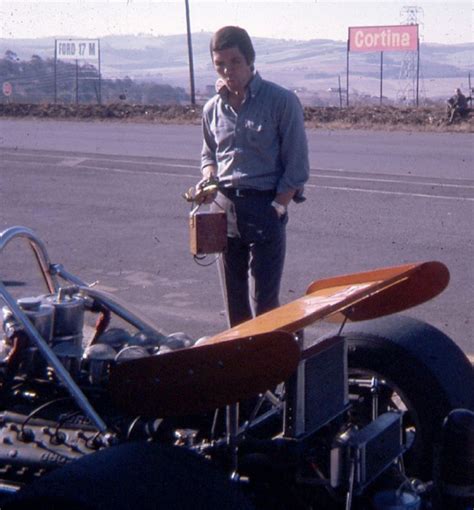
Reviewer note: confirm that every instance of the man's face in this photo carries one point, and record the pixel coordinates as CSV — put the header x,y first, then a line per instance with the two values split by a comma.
x,y
231,65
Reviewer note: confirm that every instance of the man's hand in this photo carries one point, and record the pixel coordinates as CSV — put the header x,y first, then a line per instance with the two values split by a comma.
x,y
206,192
279,208
206,188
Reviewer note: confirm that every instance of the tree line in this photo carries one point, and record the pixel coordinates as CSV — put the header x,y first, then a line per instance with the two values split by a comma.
x,y
40,80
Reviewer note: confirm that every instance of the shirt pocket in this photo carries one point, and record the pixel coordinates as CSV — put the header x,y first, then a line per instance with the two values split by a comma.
x,y
259,133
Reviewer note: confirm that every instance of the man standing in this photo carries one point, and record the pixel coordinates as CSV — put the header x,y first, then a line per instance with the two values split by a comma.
x,y
254,143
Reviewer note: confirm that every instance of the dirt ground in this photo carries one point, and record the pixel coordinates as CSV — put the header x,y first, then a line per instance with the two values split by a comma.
x,y
357,117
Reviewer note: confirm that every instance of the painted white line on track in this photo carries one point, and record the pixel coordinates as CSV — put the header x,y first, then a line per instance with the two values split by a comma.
x,y
394,181
71,162
342,170
339,188
400,193
139,172
75,161
65,160
318,186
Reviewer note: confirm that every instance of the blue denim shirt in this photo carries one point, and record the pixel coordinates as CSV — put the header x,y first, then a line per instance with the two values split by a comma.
x,y
263,146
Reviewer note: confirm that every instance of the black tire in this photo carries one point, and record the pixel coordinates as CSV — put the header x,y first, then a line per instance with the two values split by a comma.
x,y
133,476
423,372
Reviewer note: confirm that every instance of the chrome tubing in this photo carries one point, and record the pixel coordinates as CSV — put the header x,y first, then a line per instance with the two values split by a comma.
x,y
112,303
39,250
58,269
136,319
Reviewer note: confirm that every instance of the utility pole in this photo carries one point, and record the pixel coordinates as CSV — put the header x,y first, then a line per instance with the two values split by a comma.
x,y
190,53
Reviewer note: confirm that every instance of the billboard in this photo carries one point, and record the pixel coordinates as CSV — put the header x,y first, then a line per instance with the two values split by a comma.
x,y
77,49
388,38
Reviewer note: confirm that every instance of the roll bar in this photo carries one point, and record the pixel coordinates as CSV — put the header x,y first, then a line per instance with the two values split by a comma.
x,y
38,248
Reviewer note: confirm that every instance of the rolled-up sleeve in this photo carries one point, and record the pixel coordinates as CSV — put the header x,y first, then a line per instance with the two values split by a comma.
x,y
293,146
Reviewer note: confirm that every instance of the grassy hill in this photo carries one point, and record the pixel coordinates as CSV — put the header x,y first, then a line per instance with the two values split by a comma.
x,y
311,67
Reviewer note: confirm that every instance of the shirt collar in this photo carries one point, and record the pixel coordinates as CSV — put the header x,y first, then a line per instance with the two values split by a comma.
x,y
255,84
252,89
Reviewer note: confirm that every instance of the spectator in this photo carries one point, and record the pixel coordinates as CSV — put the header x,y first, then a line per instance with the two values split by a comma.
x,y
254,143
457,105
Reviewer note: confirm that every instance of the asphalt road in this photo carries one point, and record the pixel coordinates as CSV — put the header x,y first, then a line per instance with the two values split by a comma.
x,y
105,197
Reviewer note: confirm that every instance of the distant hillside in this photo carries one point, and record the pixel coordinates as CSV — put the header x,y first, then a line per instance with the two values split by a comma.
x,y
40,81
311,67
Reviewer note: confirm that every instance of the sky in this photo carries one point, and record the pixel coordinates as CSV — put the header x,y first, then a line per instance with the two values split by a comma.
x,y
445,22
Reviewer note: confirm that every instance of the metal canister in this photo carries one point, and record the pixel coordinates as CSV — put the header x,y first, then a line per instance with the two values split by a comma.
x,y
68,318
40,314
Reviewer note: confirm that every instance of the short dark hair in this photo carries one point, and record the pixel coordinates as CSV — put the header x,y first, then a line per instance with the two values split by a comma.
x,y
233,37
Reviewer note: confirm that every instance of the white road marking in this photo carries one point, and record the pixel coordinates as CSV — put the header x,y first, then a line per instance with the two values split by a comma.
x,y
65,159
75,162
381,192
402,176
394,181
71,162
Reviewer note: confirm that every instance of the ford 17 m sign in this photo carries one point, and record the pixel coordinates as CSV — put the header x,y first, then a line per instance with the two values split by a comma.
x,y
77,49
388,38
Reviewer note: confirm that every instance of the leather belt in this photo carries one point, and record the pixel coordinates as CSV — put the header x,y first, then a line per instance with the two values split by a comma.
x,y
247,192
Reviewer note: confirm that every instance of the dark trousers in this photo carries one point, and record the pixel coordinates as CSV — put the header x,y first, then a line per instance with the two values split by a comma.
x,y
251,268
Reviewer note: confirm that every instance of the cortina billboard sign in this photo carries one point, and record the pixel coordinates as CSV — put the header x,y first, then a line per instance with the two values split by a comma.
x,y
388,38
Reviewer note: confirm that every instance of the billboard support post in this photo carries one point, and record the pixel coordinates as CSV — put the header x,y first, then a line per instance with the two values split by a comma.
x,y
340,91
347,72
418,72
55,71
381,77
100,74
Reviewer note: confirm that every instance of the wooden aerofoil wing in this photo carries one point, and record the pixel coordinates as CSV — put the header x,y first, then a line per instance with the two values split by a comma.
x,y
357,296
204,377
258,354
402,287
